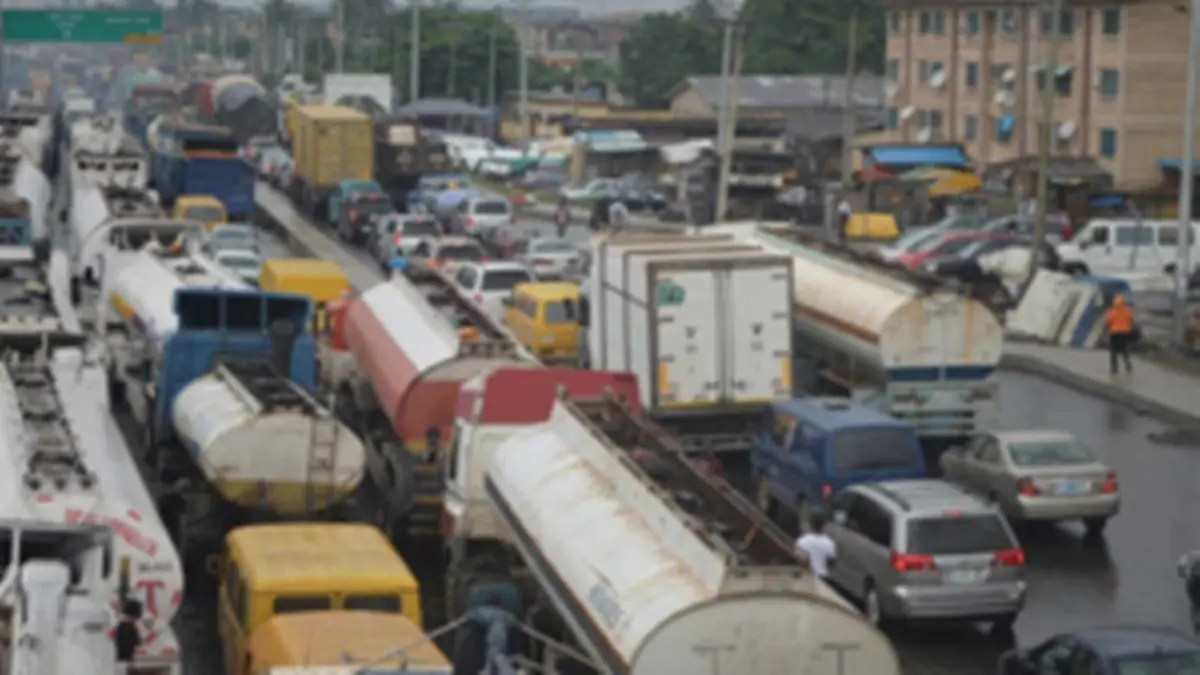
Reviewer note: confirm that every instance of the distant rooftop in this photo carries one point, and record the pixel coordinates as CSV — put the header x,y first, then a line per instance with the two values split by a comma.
x,y
788,91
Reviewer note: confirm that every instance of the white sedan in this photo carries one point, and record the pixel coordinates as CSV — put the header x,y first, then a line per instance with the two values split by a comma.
x,y
489,283
247,265
548,256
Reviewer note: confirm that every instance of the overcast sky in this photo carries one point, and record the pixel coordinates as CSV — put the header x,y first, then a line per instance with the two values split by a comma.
x,y
588,6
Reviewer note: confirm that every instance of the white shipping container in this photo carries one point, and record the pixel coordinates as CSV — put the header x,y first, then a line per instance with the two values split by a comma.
x,y
706,328
610,255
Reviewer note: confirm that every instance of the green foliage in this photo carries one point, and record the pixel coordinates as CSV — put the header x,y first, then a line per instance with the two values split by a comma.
x,y
782,37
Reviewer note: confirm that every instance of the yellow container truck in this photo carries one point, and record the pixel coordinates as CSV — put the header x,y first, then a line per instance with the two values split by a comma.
x,y
331,145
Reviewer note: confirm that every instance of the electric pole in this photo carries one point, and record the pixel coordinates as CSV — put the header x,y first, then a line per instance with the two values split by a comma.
x,y
1049,73
1183,253
414,54
340,34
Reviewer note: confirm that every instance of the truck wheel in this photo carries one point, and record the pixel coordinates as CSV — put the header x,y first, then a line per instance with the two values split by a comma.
x,y
1076,269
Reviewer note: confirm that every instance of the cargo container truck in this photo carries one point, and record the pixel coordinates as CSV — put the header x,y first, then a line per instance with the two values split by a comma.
x,y
404,152
705,325
197,159
331,144
915,346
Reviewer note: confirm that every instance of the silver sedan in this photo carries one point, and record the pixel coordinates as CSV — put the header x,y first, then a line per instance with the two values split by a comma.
x,y
548,257
1044,475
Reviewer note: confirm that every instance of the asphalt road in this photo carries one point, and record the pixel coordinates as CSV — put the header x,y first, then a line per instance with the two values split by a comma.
x,y
1128,578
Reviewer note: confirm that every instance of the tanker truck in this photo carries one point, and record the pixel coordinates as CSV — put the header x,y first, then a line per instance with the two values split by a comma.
x,y
651,564
238,103
910,344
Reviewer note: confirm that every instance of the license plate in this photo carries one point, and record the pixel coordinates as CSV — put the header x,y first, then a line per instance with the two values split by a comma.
x,y
965,576
1072,487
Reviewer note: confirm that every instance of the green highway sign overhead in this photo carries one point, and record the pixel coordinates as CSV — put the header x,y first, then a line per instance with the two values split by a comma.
x,y
116,26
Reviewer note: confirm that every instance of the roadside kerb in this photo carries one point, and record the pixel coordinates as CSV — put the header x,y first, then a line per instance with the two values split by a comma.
x,y
1113,392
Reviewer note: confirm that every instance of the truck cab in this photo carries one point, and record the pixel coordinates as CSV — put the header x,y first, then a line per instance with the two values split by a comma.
x,y
810,449
353,206
205,209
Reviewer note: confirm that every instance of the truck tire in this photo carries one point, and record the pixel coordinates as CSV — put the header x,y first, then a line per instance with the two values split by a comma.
x,y
1075,269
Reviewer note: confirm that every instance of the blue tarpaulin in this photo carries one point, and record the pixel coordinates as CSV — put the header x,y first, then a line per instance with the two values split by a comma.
x,y
1006,124
950,156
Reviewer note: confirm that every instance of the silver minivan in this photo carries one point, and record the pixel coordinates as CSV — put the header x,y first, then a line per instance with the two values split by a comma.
x,y
925,550
479,215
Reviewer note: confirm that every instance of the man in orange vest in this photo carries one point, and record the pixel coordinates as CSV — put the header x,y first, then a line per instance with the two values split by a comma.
x,y
1119,320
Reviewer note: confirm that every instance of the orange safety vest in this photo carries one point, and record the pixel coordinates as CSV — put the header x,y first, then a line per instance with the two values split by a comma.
x,y
1119,318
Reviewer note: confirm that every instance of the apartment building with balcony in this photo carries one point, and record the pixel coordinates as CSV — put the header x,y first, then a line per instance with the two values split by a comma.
x,y
971,71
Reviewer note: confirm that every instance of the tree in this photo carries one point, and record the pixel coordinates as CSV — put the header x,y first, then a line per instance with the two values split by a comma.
x,y
781,37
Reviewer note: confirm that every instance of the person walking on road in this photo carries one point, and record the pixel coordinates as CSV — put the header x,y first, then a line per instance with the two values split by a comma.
x,y
820,549
1119,321
562,217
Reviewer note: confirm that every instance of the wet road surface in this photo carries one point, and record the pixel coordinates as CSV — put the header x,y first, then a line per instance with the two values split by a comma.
x,y
1129,578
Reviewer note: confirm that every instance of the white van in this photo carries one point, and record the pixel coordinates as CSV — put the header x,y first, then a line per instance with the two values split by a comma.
x,y
1114,246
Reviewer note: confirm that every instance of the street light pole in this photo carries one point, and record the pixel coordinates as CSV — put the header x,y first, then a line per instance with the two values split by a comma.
x,y
1048,94
340,55
492,67
850,111
414,53
1183,262
730,126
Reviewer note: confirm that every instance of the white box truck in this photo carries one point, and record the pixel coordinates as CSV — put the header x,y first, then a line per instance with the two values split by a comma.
x,y
705,325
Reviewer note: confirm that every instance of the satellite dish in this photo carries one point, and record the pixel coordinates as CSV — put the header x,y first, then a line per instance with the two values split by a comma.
x,y
890,90
925,135
938,79
1066,130
1009,75
907,112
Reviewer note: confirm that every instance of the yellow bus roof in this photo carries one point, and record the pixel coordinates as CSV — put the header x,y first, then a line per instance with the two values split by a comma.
x,y
345,637
549,290
302,557
306,267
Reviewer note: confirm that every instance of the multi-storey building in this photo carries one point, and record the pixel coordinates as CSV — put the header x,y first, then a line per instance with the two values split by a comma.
x,y
971,71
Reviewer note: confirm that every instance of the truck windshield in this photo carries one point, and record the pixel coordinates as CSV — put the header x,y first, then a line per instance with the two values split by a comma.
x,y
875,449
371,204
205,214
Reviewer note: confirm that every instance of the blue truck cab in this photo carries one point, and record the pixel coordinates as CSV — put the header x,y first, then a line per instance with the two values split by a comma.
x,y
352,205
811,448
199,159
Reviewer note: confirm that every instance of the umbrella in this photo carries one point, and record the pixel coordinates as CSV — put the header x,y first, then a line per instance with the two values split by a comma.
x,y
449,199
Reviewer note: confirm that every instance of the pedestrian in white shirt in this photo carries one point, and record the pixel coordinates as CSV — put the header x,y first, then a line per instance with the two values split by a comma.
x,y
817,545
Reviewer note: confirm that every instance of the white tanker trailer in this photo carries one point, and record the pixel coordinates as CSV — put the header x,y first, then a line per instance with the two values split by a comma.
x,y
24,200
915,346
238,405
110,224
659,568
64,461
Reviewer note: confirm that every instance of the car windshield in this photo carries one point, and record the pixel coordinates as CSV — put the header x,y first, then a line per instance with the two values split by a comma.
x,y
491,208
953,246
420,228
460,252
240,262
1160,664
958,535
504,280
206,214
917,241
555,246
1050,453
560,312
372,204
875,449
232,236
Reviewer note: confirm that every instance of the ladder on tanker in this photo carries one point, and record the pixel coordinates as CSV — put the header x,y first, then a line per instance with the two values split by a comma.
x,y
321,479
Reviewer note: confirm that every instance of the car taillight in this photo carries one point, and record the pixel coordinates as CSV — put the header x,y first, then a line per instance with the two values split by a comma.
x,y
512,220
826,492
483,260
351,214
912,563
469,223
1027,489
478,297
397,238
1010,558
1110,483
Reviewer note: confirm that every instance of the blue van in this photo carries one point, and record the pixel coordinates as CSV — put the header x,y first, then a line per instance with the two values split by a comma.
x,y
812,448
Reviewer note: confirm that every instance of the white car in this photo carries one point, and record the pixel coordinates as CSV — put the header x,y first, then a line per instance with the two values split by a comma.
x,y
245,264
548,256
231,238
592,189
489,283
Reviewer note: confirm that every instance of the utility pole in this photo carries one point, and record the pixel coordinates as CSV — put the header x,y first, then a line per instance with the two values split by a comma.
x,y
850,111
1048,93
492,67
1183,258
523,66
723,115
731,125
451,75
414,54
340,34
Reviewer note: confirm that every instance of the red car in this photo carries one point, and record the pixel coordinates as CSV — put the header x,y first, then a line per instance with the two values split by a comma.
x,y
949,243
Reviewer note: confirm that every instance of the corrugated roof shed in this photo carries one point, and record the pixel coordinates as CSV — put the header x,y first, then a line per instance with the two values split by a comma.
x,y
787,91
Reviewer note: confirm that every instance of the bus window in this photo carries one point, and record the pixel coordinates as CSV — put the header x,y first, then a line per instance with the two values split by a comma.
x,y
302,603
374,603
